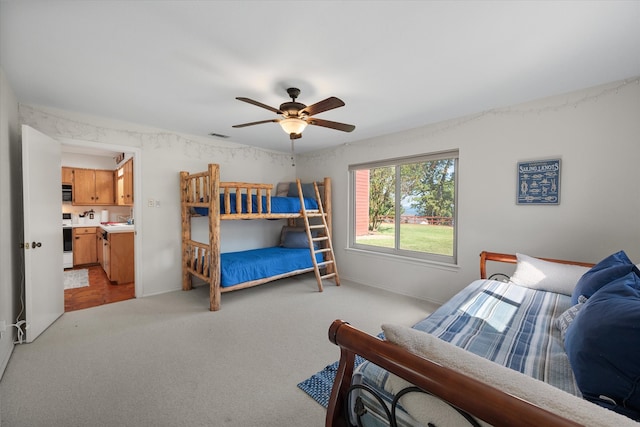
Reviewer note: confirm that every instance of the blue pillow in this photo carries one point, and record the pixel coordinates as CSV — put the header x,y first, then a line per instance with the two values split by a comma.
x,y
603,346
296,239
607,270
308,190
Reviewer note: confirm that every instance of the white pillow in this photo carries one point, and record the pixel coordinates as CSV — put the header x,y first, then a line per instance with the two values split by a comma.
x,y
549,276
512,382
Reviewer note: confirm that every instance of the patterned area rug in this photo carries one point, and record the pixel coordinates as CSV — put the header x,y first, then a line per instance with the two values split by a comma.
x,y
76,278
319,385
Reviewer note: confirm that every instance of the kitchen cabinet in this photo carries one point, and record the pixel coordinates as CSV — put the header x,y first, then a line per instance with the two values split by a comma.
x,y
93,187
67,175
124,184
118,257
84,245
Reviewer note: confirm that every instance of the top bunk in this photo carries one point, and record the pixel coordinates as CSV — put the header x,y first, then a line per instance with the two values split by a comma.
x,y
203,192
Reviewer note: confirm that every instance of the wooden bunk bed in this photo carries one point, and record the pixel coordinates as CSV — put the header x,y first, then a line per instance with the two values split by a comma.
x,y
478,389
203,194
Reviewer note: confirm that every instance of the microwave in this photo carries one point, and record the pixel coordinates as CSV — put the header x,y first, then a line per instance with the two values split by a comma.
x,y
67,193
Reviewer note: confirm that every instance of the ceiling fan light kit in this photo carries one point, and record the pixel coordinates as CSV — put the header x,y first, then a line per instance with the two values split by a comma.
x,y
293,125
296,116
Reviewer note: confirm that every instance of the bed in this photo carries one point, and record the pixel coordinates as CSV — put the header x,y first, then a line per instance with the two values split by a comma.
x,y
302,248
503,351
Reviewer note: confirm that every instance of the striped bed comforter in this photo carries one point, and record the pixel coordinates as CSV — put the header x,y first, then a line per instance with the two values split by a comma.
x,y
509,324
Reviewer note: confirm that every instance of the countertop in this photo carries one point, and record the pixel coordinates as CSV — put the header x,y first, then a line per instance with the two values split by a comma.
x,y
121,227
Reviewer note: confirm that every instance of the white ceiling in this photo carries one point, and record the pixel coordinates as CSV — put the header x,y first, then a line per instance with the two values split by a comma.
x,y
179,65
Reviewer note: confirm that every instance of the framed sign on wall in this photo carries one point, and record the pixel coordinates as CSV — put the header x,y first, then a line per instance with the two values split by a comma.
x,y
539,182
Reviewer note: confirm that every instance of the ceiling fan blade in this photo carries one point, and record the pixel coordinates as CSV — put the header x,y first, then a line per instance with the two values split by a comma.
x,y
256,123
259,104
326,105
332,125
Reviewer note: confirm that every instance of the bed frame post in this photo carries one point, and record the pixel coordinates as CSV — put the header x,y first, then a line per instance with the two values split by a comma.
x,y
336,409
186,230
214,237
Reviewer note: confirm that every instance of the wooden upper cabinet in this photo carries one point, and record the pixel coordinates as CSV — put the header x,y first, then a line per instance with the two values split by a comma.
x,y
124,184
93,187
67,175
105,194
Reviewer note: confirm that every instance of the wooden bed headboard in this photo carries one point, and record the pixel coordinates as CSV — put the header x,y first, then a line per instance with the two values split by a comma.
x,y
512,259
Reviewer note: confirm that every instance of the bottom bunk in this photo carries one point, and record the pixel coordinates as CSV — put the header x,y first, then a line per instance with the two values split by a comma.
x,y
255,266
244,269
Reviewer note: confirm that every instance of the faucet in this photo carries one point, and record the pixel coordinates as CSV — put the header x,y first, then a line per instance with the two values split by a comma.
x,y
124,218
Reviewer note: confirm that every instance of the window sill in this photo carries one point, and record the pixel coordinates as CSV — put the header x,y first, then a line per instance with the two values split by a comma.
x,y
405,259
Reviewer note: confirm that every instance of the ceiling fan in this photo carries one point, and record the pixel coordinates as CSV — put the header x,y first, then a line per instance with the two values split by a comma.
x,y
296,116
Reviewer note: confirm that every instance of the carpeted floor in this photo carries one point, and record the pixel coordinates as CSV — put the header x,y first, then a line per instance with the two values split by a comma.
x,y
166,360
76,278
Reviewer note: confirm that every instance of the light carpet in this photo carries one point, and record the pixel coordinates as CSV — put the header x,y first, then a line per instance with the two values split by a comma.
x,y
166,360
76,278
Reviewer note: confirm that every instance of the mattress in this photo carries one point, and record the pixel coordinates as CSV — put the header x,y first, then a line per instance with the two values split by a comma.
x,y
278,205
255,264
502,322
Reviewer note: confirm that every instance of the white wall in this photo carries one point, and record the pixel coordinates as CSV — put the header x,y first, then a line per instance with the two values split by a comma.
x,y
9,256
596,133
163,155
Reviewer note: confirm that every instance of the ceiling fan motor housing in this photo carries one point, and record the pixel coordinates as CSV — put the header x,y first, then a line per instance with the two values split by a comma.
x,y
291,109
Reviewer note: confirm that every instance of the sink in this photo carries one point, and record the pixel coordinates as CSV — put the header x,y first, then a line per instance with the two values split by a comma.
x,y
117,227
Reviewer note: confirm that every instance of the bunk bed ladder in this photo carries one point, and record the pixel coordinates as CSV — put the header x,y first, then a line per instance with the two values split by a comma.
x,y
321,243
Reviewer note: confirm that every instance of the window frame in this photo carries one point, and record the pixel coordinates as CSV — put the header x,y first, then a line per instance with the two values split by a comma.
x,y
397,162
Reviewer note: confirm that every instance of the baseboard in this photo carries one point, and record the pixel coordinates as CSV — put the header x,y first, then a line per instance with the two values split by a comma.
x,y
5,359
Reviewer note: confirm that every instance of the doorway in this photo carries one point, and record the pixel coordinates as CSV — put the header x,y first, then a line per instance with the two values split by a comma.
x,y
100,290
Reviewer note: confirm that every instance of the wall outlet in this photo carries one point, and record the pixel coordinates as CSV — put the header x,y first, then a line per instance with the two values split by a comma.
x,y
151,203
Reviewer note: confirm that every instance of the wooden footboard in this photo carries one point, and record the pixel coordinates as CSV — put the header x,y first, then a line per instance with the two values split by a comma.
x,y
474,397
198,260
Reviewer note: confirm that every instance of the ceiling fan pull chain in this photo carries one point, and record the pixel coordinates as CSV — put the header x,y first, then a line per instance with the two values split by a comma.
x,y
293,163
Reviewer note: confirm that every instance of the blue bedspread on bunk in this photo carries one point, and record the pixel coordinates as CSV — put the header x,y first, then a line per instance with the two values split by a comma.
x,y
278,205
244,266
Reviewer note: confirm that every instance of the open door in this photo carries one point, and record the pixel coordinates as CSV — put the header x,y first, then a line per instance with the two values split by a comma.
x,y
42,204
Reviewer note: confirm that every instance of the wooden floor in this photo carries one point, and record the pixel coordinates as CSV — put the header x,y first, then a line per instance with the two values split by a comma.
x,y
100,291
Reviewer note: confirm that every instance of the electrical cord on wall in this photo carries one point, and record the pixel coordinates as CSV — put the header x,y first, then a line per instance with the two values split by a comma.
x,y
20,323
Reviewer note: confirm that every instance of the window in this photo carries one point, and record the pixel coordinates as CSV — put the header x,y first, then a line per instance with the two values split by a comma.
x,y
406,206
